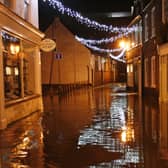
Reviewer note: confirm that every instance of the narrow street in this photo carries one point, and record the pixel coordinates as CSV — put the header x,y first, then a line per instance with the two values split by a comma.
x,y
89,128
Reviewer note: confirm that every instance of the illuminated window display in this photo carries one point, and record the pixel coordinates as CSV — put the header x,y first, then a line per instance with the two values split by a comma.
x,y
18,67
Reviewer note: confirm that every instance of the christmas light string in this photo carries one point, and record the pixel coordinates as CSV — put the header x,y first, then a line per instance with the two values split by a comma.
x,y
101,41
109,52
88,43
119,57
84,20
101,50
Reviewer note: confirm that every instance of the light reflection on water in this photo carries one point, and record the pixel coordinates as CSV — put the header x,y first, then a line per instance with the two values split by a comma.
x,y
18,141
110,128
89,128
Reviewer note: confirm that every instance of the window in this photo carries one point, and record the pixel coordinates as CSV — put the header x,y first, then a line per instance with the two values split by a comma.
x,y
164,11
18,61
153,71
146,72
8,3
11,48
28,55
129,68
146,27
130,77
140,31
132,39
153,33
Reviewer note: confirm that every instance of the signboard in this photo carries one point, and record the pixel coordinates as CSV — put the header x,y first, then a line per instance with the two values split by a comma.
x,y
47,45
58,56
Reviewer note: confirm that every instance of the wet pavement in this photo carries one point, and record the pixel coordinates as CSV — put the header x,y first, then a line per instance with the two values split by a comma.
x,y
105,127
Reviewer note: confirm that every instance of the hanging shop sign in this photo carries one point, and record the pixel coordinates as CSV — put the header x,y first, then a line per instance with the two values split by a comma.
x,y
47,45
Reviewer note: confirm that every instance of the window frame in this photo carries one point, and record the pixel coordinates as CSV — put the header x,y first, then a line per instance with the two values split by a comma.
x,y
19,67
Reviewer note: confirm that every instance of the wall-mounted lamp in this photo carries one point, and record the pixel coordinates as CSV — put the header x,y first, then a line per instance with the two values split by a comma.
x,y
14,48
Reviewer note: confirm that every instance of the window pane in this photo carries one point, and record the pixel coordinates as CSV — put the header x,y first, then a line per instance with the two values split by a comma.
x,y
146,27
12,80
153,22
28,67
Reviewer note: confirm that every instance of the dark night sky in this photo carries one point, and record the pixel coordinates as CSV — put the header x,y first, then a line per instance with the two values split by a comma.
x,y
98,5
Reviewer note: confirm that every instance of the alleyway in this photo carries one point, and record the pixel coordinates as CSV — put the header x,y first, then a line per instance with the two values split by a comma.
x,y
89,128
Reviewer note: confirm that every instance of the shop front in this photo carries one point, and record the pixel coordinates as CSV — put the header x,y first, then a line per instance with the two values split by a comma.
x,y
20,68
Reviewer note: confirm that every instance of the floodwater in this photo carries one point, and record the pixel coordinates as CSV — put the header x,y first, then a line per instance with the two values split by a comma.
x,y
105,127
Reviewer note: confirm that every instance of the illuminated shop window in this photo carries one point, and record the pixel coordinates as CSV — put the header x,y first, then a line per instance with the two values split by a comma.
x,y
11,48
129,68
18,61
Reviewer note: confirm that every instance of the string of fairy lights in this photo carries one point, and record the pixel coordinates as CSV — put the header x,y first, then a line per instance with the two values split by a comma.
x,y
101,41
100,49
90,43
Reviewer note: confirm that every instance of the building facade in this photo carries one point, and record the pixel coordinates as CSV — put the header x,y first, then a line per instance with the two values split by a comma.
x,y
134,57
151,39
71,64
152,19
20,67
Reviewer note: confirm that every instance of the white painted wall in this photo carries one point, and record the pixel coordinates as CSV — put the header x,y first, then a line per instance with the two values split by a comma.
x,y
18,7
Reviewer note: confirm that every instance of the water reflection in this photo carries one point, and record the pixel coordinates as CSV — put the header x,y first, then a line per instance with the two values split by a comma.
x,y
94,127
20,142
163,131
90,128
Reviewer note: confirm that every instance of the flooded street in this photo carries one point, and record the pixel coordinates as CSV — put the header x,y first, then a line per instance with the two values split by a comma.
x,y
105,127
